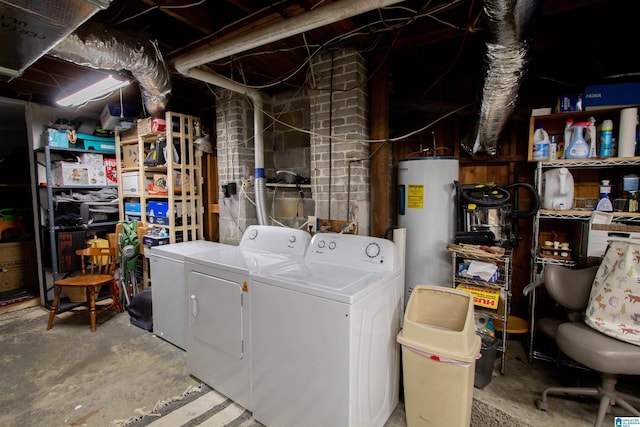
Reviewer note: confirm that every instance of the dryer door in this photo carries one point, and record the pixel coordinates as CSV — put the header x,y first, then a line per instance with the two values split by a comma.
x,y
215,310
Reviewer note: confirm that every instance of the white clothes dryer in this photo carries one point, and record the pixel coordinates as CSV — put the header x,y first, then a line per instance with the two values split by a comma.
x,y
169,293
324,350
219,338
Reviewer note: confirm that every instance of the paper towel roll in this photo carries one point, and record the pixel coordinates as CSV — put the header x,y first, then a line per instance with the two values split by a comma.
x,y
627,136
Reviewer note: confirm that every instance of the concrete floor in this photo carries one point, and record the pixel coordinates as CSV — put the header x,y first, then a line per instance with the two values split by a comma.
x,y
68,376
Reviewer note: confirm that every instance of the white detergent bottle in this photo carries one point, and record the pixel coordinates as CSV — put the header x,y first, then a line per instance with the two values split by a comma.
x,y
578,147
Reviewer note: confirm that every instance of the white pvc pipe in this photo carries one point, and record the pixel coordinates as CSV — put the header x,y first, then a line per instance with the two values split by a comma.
x,y
317,18
258,130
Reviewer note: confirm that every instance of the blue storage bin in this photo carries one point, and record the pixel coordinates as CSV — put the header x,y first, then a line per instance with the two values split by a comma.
x,y
98,143
56,138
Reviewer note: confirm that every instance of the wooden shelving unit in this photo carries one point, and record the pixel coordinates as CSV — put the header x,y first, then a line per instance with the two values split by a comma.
x,y
177,182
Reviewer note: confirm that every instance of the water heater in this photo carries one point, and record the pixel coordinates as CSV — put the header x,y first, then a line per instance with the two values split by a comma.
x,y
427,210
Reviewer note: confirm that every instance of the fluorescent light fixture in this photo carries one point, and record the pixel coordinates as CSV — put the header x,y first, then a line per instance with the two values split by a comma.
x,y
94,91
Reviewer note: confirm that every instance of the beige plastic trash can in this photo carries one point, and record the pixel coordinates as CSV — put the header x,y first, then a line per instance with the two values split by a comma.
x,y
439,351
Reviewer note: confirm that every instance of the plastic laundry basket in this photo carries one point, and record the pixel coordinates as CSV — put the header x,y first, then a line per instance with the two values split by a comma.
x,y
439,350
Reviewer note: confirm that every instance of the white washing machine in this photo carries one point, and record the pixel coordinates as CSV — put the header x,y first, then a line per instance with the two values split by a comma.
x,y
219,338
169,293
324,349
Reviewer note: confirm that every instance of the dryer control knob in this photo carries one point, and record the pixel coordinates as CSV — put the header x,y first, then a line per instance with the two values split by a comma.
x,y
253,234
321,244
292,239
332,245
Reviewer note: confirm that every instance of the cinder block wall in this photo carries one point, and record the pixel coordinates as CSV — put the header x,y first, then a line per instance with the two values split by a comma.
x,y
235,149
337,106
340,129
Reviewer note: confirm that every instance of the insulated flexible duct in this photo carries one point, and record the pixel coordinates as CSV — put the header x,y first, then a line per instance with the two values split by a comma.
x,y
506,63
96,47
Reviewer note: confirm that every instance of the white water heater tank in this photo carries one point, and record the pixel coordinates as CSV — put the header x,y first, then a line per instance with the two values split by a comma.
x,y
427,209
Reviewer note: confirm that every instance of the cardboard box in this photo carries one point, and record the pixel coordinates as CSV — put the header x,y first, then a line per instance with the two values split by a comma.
x,y
92,159
70,173
158,209
158,220
17,266
129,216
132,211
611,95
132,207
130,156
482,297
568,103
151,125
160,185
97,175
158,213
131,182
149,240
111,116
111,170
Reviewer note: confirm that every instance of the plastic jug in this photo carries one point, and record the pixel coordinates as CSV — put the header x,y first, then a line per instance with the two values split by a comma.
x,y
540,144
558,189
578,147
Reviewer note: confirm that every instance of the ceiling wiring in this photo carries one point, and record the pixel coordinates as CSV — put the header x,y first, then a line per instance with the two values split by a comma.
x,y
389,24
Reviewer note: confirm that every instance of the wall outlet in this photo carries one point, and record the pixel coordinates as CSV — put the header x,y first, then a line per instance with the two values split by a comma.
x,y
312,224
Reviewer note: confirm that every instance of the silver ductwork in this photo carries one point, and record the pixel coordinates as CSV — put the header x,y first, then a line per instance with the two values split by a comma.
x,y
96,47
506,59
29,29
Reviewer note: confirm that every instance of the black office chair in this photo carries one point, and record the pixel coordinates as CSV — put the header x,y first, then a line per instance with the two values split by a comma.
x,y
602,353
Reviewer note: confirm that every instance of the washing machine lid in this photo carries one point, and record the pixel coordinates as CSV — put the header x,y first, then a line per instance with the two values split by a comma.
x,y
178,251
236,259
335,282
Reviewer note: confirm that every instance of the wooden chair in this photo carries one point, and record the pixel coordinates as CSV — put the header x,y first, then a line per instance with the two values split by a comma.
x,y
98,269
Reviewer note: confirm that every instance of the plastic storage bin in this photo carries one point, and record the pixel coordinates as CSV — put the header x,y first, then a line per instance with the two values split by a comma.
x,y
484,365
439,351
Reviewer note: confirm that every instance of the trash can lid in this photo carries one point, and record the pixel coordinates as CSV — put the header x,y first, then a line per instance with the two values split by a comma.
x,y
442,351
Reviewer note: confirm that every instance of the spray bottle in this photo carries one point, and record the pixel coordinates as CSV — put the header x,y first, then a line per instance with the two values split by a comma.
x,y
578,147
606,134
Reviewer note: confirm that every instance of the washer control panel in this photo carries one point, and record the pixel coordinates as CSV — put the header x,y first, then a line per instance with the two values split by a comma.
x,y
353,250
